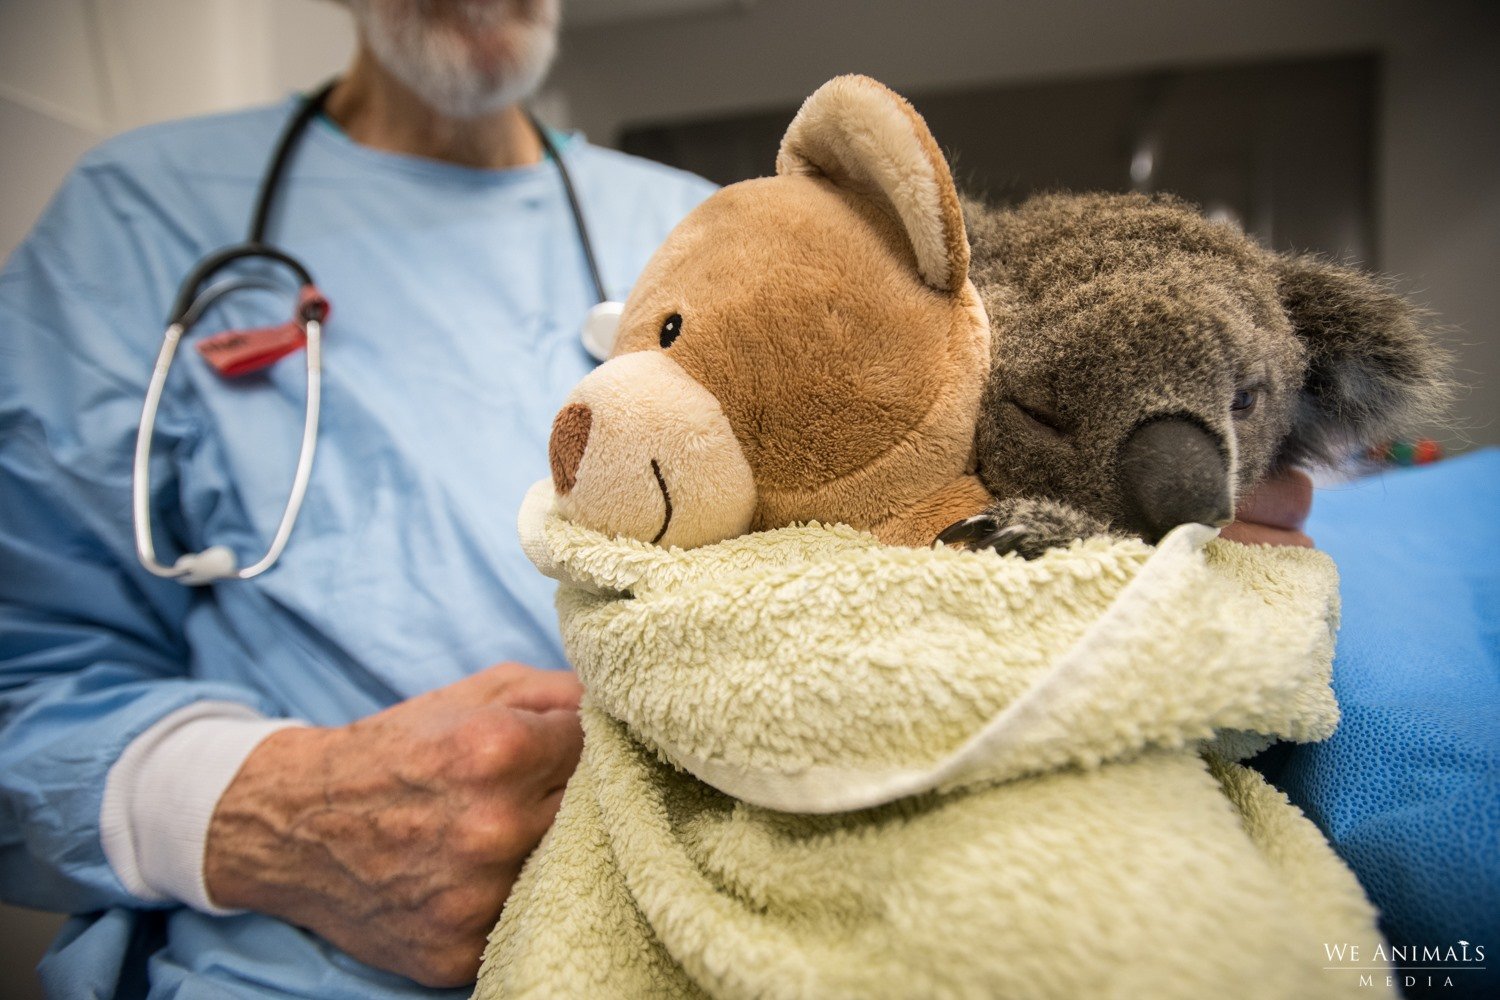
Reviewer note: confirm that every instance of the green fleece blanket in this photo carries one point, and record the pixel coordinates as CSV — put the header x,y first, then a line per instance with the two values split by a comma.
x,y
818,766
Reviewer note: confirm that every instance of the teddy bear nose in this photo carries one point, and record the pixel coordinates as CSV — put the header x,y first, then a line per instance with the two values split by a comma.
x,y
570,436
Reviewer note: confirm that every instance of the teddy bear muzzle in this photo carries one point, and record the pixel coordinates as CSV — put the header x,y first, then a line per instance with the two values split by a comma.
x,y
642,450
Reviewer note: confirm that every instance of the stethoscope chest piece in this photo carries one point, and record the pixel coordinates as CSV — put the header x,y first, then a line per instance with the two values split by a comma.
x,y
601,327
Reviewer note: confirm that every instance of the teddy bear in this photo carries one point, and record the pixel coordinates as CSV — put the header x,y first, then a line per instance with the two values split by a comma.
x,y
823,757
803,347
1152,366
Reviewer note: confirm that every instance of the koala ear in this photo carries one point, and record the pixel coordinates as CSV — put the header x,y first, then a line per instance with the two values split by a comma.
x,y
865,137
1373,373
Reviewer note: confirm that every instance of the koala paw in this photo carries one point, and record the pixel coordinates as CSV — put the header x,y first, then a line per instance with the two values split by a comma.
x,y
983,532
1028,528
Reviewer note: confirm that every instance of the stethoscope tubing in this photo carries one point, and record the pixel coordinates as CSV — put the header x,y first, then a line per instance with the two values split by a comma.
x,y
191,567
218,562
188,292
576,209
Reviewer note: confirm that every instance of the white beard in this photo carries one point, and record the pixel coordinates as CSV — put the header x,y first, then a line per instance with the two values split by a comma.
x,y
463,58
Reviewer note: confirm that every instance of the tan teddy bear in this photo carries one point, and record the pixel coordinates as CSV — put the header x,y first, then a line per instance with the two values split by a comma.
x,y
803,347
816,765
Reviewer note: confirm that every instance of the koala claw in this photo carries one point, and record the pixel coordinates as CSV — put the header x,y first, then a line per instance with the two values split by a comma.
x,y
1016,538
969,531
984,532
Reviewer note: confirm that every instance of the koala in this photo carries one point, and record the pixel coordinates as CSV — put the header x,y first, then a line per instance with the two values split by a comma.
x,y
1151,366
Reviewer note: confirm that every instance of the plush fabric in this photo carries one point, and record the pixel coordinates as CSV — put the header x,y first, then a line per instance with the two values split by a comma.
x,y
853,134
837,346
820,766
1408,789
647,449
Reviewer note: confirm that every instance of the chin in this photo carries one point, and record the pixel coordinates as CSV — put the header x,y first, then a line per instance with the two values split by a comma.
x,y
463,58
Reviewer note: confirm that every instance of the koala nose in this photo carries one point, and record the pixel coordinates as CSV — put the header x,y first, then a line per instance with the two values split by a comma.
x,y
1172,471
570,436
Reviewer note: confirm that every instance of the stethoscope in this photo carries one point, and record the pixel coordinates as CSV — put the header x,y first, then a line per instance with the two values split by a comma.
x,y
227,352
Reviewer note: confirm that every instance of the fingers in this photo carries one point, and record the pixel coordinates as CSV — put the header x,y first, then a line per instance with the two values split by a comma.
x,y
485,685
515,685
1275,512
522,755
550,805
537,820
558,742
1262,534
1282,501
541,690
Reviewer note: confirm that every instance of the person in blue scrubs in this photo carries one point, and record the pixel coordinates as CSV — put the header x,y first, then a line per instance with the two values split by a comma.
x,y
318,782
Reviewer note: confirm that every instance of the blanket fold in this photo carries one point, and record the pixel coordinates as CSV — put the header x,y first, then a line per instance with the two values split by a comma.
x,y
818,766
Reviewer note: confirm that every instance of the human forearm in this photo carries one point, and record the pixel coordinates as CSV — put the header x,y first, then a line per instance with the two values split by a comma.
x,y
61,738
260,831
161,792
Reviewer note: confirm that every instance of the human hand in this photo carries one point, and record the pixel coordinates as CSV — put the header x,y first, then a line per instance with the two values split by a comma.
x,y
397,838
1274,513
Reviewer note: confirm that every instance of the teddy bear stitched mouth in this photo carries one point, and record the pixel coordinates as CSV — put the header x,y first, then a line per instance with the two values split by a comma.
x,y
665,497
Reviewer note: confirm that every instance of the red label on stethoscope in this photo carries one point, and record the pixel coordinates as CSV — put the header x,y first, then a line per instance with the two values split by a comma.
x,y
240,352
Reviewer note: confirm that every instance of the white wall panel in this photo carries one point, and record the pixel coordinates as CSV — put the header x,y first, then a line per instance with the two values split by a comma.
x,y
75,71
48,61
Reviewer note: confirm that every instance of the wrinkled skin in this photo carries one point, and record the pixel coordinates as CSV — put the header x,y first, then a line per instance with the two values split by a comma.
x,y
1113,313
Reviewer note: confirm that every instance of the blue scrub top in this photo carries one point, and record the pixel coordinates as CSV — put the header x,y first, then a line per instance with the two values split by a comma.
x,y
457,296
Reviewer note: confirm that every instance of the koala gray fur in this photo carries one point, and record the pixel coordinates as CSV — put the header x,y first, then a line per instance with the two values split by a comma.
x,y
1129,334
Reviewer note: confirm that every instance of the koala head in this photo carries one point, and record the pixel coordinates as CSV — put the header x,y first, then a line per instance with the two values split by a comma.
x,y
1151,366
805,346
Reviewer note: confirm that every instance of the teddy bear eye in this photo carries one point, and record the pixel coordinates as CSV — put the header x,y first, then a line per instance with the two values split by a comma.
x,y
1243,402
670,329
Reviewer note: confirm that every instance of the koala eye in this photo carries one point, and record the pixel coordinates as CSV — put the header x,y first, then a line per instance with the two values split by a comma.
x,y
670,330
1243,403
1042,419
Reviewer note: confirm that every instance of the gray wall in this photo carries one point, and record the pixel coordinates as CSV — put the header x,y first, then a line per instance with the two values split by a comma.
x,y
1437,170
24,936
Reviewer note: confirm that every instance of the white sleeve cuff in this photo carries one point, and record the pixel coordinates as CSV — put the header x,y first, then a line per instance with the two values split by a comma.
x,y
161,794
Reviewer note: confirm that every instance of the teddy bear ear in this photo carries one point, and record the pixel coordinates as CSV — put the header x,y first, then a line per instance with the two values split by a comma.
x,y
1374,374
863,136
